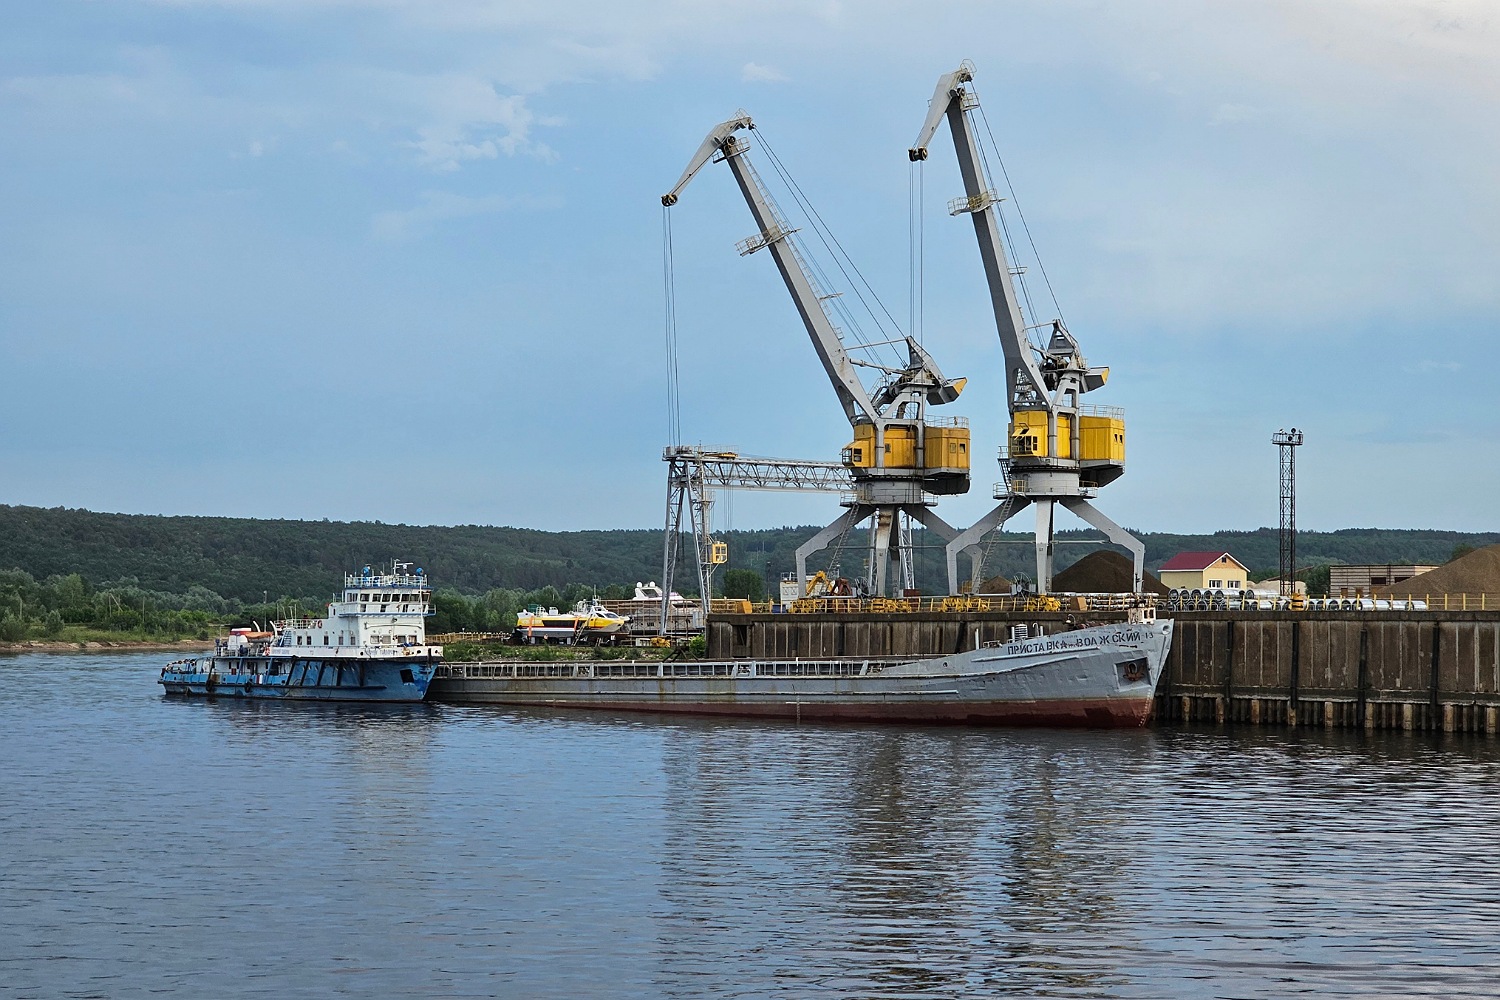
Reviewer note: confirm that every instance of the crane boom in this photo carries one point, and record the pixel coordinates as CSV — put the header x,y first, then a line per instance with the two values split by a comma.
x,y
1023,379
773,234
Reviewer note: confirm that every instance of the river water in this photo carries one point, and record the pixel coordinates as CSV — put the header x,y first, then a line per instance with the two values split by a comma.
x,y
153,847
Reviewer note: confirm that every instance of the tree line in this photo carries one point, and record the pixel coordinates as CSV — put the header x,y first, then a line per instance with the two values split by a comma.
x,y
71,607
178,576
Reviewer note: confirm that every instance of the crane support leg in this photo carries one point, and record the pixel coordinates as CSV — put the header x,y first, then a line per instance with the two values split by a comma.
x,y
844,522
881,529
1045,516
967,540
1095,517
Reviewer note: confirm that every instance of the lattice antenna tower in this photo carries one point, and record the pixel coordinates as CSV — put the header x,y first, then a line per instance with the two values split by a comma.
x,y
1288,442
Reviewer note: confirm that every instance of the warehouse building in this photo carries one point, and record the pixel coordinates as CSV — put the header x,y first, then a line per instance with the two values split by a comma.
x,y
1358,581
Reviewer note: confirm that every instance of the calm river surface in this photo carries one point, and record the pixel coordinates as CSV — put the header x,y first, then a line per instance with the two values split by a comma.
x,y
180,848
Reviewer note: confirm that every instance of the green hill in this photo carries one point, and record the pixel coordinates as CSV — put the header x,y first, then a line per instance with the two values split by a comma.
x,y
62,569
243,559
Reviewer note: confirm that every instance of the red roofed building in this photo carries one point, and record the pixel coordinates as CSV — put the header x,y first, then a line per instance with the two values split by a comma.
x,y
1204,571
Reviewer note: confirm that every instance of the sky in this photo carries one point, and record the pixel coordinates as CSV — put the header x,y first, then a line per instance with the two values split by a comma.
x,y
402,260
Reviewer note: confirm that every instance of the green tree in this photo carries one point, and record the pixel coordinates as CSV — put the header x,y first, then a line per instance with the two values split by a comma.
x,y
1459,551
12,629
744,583
1316,578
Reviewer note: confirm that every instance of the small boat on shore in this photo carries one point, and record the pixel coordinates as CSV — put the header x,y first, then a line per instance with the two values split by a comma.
x,y
589,622
371,646
1098,676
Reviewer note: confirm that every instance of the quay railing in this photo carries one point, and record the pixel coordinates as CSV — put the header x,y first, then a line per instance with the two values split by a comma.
x,y
1176,601
1185,599
957,603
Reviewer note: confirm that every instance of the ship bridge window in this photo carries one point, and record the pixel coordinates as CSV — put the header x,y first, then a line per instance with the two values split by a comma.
x,y
325,640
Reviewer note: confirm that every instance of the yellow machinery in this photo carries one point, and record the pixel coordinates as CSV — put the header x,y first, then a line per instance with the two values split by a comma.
x,y
1100,438
938,451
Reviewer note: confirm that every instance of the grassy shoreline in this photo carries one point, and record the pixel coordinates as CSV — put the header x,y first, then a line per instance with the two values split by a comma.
x,y
76,638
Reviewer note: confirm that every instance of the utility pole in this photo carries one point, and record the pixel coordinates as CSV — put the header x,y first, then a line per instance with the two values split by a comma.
x,y
1288,442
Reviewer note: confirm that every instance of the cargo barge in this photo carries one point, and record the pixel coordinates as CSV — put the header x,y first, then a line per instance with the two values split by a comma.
x,y
1104,675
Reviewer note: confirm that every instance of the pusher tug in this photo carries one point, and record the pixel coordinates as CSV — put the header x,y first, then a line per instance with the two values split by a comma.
x,y
372,646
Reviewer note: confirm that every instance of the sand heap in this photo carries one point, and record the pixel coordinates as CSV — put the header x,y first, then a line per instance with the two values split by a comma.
x,y
1475,573
1103,572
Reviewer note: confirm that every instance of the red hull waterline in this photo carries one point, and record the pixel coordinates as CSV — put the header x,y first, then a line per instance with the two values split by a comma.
x,y
1096,713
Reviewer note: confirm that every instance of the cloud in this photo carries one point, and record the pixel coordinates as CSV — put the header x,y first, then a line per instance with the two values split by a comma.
x,y
439,206
756,73
470,120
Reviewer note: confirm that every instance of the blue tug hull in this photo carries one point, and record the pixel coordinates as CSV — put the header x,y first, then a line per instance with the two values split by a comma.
x,y
402,679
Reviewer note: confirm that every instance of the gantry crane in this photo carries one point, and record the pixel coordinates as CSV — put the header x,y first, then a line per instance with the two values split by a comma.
x,y
899,457
695,474
1058,451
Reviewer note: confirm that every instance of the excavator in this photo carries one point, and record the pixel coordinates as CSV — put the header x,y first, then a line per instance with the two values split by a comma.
x,y
1059,451
900,458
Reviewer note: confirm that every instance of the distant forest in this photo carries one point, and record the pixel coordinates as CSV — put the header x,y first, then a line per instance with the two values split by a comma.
x,y
231,567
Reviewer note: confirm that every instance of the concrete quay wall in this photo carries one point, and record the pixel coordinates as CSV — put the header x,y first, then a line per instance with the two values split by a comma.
x,y
1375,670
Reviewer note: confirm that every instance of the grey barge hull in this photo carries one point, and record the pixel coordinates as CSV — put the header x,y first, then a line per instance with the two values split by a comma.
x,y
1104,676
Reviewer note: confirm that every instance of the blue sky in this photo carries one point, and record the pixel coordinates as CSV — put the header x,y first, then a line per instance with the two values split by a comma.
x,y
401,259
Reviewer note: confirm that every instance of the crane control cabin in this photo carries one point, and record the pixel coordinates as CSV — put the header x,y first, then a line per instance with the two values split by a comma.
x,y
901,457
1059,451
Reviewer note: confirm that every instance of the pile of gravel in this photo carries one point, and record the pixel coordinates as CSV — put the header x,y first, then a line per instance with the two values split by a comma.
x,y
1104,572
1475,573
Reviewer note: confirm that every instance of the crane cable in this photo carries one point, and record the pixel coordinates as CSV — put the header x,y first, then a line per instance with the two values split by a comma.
x,y
674,396
916,248
835,250
1019,214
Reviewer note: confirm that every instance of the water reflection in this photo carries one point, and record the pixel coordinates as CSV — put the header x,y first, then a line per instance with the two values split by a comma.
x,y
892,861
238,848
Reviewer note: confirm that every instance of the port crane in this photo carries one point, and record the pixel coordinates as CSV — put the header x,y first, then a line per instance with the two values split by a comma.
x,y
900,457
1058,451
